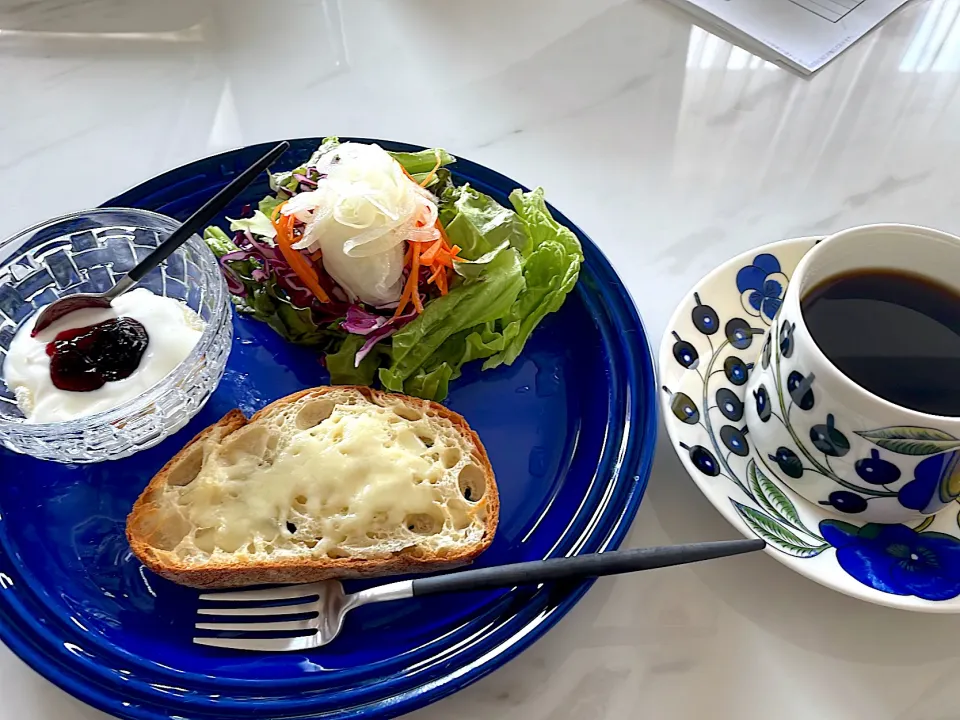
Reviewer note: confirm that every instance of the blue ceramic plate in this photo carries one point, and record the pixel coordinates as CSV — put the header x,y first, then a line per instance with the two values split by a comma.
x,y
570,429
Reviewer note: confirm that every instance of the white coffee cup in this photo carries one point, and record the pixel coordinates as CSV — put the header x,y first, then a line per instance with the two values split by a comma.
x,y
826,437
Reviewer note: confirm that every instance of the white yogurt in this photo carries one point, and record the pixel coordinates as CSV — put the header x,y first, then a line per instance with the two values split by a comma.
x,y
173,330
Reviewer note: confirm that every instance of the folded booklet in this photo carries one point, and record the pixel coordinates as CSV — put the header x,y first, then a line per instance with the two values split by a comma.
x,y
803,34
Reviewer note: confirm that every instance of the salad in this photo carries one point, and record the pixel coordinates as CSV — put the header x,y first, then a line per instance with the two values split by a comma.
x,y
393,272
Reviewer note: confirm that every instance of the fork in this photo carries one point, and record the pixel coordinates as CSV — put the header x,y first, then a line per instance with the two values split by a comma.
x,y
328,604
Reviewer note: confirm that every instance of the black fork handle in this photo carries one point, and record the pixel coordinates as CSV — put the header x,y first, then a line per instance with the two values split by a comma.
x,y
582,567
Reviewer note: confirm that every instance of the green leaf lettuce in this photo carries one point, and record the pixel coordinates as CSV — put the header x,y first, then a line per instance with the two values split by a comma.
x,y
484,300
550,271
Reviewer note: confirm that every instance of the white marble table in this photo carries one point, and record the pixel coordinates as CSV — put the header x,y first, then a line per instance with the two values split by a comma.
x,y
672,149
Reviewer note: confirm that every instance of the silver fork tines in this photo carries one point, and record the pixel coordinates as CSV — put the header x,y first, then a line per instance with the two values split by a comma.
x,y
270,626
287,592
325,602
251,611
262,645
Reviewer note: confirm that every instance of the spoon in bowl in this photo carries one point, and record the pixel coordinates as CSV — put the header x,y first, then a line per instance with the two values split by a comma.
x,y
202,217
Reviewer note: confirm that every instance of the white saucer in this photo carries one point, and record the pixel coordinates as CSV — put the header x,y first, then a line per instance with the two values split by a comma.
x,y
717,332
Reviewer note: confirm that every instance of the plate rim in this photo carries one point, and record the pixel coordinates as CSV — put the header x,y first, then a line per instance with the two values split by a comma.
x,y
807,570
63,668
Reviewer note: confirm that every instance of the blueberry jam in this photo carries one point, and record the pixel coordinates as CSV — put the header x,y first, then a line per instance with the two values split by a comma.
x,y
85,359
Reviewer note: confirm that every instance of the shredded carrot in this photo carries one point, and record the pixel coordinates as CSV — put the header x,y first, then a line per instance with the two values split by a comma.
x,y
415,274
316,255
430,253
440,272
443,232
288,222
408,290
297,262
432,174
438,257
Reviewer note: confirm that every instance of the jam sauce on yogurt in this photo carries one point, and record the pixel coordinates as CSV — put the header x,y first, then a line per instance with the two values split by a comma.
x,y
87,358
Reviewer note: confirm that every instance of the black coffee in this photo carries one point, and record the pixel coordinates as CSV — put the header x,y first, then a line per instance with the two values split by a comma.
x,y
895,334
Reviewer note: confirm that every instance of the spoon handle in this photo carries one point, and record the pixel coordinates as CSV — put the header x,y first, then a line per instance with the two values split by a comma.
x,y
199,220
581,567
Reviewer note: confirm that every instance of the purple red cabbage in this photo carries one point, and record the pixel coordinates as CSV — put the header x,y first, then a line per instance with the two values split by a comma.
x,y
270,263
304,180
360,321
374,327
234,286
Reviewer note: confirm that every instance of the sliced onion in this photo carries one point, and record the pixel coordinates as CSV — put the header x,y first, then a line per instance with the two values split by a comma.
x,y
360,216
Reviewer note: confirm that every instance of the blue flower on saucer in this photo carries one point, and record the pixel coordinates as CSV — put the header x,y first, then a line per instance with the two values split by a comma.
x,y
762,286
896,559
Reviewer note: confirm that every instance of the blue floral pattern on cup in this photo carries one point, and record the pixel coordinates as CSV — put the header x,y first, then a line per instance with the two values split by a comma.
x,y
936,480
762,286
891,558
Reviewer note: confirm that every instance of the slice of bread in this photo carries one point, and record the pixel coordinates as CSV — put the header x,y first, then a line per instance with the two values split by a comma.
x,y
333,482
